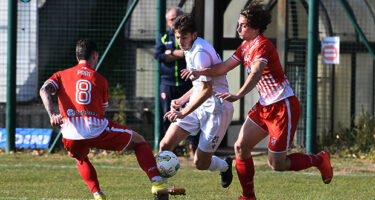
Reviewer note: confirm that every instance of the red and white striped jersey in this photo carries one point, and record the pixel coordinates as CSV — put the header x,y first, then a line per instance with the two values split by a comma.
x,y
82,97
274,85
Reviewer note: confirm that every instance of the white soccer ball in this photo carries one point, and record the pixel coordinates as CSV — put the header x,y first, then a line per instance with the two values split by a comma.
x,y
167,163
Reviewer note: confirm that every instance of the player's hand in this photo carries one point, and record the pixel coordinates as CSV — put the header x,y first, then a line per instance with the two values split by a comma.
x,y
168,52
228,96
173,115
56,119
175,104
190,74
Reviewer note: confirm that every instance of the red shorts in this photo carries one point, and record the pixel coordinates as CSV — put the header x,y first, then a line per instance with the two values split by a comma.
x,y
115,137
280,120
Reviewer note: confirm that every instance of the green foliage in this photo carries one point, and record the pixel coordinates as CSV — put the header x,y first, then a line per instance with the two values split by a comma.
x,y
118,94
118,91
357,142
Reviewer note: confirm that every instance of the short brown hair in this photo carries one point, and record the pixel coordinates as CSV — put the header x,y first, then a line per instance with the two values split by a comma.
x,y
257,16
184,24
85,48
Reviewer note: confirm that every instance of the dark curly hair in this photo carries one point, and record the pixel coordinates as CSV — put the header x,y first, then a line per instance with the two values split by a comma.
x,y
257,16
184,24
84,49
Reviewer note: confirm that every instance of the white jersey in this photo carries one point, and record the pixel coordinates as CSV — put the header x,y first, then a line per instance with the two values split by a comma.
x,y
213,117
203,55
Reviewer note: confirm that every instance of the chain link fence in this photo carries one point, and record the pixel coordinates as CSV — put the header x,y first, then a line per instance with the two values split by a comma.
x,y
48,30
345,90
47,33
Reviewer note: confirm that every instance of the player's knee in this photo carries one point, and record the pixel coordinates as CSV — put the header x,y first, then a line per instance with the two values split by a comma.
x,y
137,138
164,146
239,149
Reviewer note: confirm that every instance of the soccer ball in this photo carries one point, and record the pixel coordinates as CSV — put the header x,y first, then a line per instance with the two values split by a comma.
x,y
167,163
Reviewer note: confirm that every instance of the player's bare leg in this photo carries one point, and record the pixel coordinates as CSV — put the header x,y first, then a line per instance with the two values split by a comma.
x,y
202,160
173,137
278,161
250,135
145,157
207,161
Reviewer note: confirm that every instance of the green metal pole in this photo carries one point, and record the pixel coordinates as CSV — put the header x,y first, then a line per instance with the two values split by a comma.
x,y
160,28
311,76
352,18
11,77
124,20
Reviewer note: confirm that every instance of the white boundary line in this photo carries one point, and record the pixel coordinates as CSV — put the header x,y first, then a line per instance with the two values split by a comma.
x,y
66,166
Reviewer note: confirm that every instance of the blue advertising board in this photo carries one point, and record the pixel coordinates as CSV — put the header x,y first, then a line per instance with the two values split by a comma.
x,y
28,137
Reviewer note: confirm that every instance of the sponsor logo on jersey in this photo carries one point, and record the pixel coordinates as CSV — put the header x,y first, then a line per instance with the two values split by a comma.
x,y
70,113
83,73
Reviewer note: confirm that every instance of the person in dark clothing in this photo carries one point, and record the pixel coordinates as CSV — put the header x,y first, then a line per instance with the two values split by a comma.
x,y
172,61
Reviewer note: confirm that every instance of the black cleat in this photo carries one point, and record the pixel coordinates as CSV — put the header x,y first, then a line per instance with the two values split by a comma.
x,y
161,197
227,176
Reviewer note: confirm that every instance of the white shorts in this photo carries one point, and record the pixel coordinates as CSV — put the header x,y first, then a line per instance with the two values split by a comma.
x,y
213,126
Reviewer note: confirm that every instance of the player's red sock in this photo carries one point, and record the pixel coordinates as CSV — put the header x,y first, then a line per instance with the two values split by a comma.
x,y
146,159
299,161
245,171
88,173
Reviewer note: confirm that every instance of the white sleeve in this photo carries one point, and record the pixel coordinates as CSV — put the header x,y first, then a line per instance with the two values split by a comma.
x,y
201,60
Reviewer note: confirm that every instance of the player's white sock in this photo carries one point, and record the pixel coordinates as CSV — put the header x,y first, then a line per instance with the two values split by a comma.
x,y
98,192
156,178
218,164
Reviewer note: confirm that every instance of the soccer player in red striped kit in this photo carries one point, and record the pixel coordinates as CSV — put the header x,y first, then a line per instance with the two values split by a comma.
x,y
82,97
278,110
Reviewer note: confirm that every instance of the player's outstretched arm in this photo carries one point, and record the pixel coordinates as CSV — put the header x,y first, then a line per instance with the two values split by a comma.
x,y
178,103
205,93
251,81
46,92
215,70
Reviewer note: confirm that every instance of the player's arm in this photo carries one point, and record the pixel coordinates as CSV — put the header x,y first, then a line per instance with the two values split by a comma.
x,y
46,92
105,95
173,55
251,81
205,93
215,70
178,103
201,60
162,54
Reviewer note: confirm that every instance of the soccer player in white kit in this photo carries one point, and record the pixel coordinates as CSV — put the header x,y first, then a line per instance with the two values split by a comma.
x,y
204,111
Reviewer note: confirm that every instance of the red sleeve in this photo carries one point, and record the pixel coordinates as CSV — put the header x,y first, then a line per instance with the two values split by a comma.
x,y
55,80
105,102
237,55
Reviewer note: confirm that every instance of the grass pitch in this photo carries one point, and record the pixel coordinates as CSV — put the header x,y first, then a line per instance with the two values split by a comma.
x,y
27,176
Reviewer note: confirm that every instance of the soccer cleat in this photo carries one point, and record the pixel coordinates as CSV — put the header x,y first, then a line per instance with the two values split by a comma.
x,y
162,187
246,198
99,196
325,167
227,176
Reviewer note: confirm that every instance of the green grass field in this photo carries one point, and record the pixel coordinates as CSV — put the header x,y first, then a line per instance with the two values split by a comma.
x,y
27,176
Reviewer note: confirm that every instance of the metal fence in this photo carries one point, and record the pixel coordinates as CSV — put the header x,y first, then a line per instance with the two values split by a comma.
x,y
47,33
345,90
48,29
